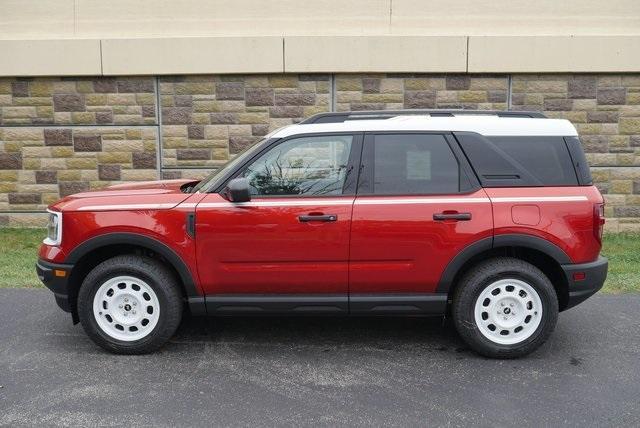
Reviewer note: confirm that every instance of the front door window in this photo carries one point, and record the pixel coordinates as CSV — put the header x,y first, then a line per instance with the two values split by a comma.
x,y
307,166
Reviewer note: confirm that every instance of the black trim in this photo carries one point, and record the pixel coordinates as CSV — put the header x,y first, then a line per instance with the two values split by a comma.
x,y
398,304
366,170
355,160
573,155
595,276
454,266
456,217
534,243
322,218
473,184
336,117
498,241
191,224
324,304
197,306
98,242
58,285
579,160
274,304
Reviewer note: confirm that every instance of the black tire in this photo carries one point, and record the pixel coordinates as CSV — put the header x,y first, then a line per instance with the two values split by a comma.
x,y
474,282
162,282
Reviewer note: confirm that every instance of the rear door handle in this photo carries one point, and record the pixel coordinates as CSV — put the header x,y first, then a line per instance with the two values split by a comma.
x,y
452,216
328,217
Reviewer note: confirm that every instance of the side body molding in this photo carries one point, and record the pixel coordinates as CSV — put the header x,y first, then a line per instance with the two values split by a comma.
x,y
142,241
499,241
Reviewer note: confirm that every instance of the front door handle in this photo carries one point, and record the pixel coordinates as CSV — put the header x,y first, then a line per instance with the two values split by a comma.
x,y
452,216
328,217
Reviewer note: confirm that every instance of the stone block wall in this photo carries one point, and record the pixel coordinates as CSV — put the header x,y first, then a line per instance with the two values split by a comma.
x,y
63,135
77,101
388,91
40,165
208,119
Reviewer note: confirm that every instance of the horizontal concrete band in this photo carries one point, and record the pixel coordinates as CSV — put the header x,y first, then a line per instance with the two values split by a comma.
x,y
99,19
320,54
514,54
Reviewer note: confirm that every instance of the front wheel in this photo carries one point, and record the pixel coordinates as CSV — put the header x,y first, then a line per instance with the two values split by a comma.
x,y
130,304
505,308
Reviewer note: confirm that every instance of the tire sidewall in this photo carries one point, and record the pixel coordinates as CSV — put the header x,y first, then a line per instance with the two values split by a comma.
x,y
466,315
86,297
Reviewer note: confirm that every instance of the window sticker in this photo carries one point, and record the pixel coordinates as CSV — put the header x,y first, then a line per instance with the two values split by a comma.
x,y
418,165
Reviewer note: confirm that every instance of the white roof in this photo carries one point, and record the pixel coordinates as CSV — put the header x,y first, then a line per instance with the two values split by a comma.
x,y
481,124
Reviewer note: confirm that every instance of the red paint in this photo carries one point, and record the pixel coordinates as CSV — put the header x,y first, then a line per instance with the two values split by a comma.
x,y
264,249
569,225
165,225
399,248
528,215
370,248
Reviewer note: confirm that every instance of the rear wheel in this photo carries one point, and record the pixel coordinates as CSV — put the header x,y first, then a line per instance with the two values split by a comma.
x,y
505,308
130,304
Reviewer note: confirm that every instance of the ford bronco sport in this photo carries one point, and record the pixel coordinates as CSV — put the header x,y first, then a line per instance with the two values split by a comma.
x,y
488,217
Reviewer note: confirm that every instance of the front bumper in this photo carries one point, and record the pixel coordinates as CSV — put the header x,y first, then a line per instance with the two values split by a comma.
x,y
51,276
595,273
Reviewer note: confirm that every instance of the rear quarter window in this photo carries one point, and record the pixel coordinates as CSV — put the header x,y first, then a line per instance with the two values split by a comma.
x,y
519,161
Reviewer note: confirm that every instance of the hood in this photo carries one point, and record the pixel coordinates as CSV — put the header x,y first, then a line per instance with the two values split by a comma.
x,y
164,194
139,188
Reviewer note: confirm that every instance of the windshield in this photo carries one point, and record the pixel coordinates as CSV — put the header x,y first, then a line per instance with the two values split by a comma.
x,y
238,159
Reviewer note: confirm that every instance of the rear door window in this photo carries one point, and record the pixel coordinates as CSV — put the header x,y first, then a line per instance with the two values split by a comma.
x,y
409,164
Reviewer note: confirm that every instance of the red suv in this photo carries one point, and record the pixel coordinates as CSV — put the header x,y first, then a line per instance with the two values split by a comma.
x,y
489,217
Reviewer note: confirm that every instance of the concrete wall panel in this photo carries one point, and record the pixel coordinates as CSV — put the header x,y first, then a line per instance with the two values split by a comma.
x,y
50,57
192,55
513,54
375,54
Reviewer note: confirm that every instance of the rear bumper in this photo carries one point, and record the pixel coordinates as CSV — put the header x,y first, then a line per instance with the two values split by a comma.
x,y
58,284
595,273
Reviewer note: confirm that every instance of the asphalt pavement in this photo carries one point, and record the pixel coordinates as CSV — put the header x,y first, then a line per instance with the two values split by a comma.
x,y
318,371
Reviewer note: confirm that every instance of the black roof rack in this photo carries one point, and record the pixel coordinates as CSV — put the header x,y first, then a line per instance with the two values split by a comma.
x,y
337,117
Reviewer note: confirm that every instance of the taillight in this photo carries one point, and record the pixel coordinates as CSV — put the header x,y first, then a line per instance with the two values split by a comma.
x,y
598,221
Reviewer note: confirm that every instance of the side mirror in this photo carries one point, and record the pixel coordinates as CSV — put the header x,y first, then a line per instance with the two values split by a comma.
x,y
237,190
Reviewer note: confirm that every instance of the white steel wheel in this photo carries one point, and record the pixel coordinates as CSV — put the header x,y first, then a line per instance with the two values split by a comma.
x,y
508,311
126,308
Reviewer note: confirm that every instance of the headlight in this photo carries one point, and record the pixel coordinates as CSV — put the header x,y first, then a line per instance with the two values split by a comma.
x,y
54,228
